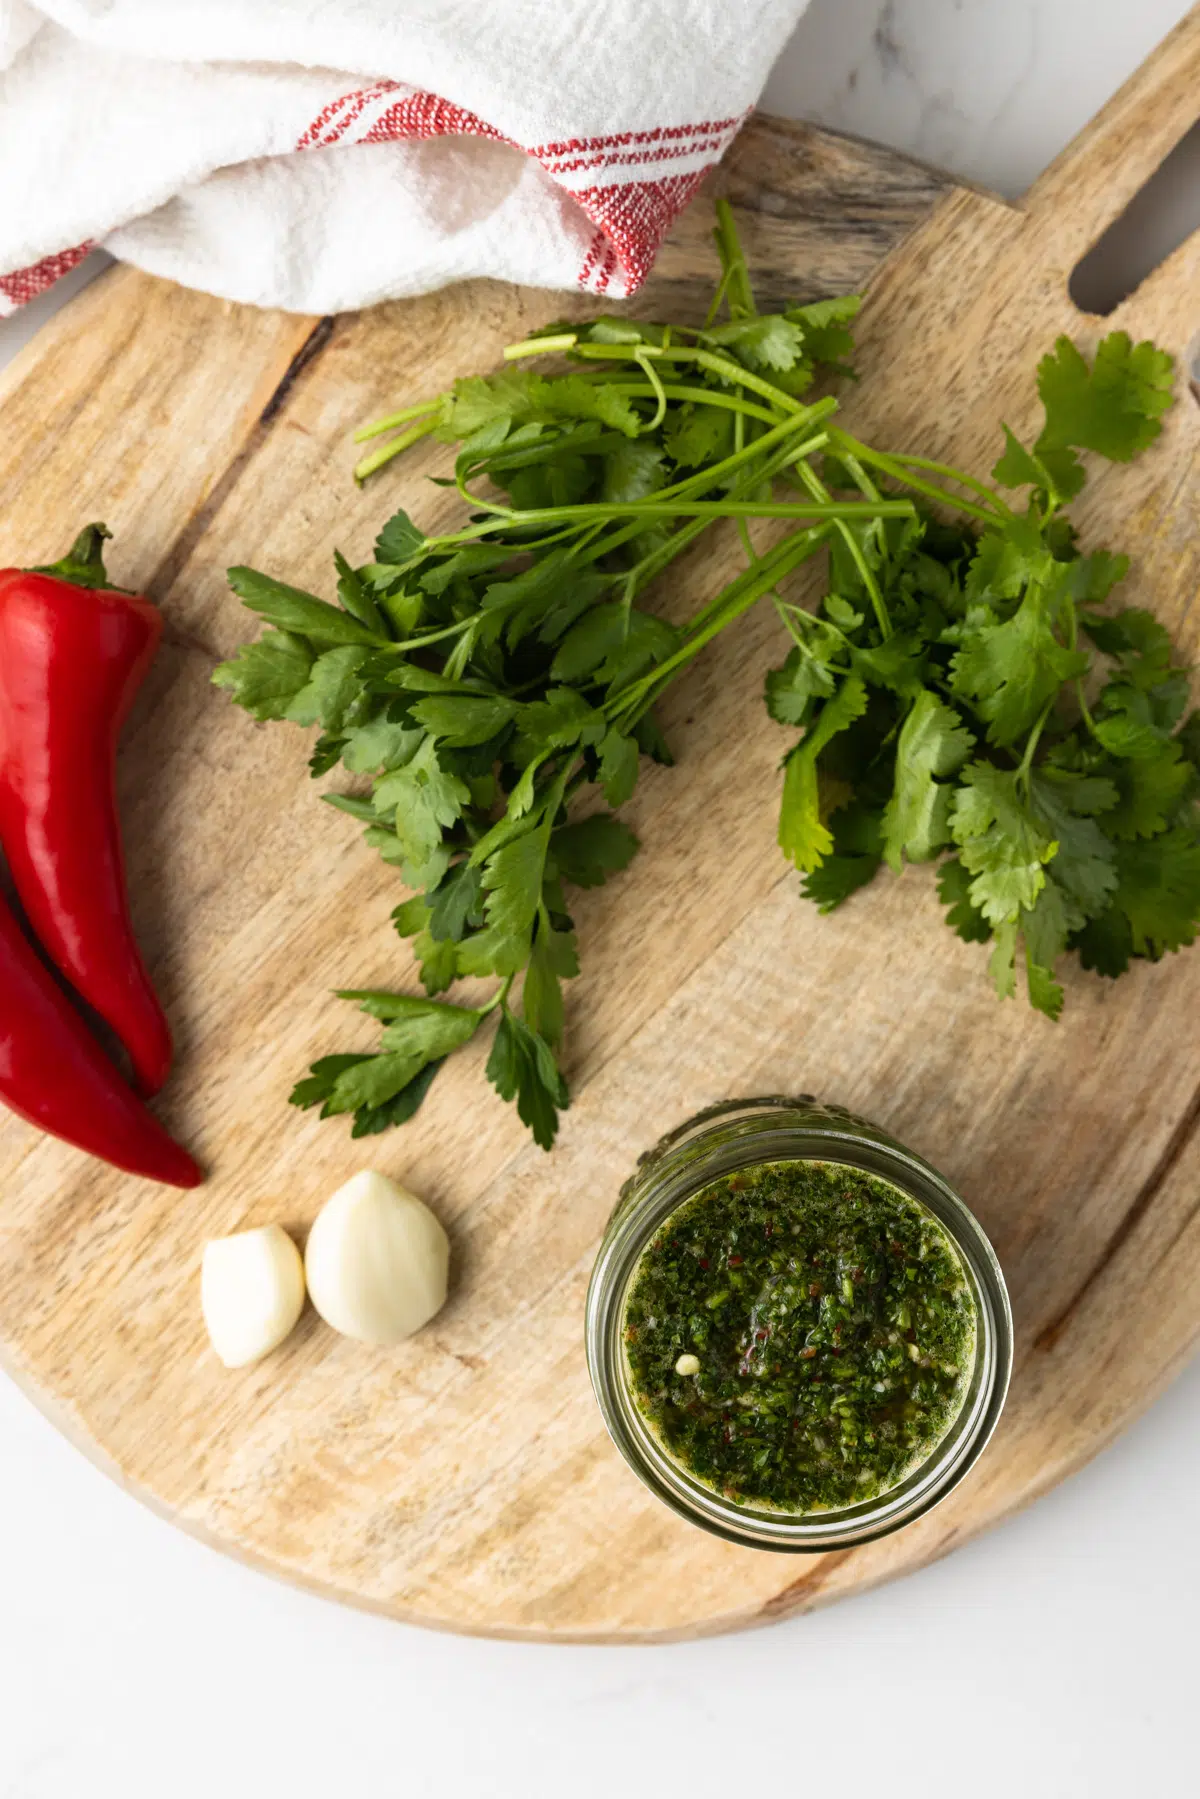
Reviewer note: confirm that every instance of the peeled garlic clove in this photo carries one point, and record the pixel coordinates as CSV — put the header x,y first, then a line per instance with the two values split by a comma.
x,y
377,1261
251,1293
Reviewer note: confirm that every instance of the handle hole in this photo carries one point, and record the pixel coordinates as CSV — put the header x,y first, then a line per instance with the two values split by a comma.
x,y
1162,215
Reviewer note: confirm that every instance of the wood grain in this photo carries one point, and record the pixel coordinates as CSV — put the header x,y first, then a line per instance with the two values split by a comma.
x,y
464,1480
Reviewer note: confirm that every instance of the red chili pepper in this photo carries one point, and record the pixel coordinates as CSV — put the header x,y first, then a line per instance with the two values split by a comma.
x,y
73,653
55,1074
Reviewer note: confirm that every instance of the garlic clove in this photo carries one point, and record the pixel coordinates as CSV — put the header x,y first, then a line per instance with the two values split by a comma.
x,y
377,1261
251,1293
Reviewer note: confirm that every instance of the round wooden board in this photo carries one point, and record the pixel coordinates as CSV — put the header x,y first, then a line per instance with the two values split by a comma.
x,y
463,1480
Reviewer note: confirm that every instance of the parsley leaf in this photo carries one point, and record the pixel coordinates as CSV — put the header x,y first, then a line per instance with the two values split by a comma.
x,y
421,799
522,1067
588,852
291,610
266,676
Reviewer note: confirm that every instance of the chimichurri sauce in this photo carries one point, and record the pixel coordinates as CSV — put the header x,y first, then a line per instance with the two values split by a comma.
x,y
832,1325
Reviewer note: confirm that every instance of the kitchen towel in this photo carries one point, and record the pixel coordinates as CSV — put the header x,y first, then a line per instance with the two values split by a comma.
x,y
324,154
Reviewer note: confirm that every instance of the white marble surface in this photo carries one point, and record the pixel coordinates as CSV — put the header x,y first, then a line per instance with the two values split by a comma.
x,y
1059,1651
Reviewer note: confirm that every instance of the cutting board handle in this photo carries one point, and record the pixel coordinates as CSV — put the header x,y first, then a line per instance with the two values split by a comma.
x,y
1093,180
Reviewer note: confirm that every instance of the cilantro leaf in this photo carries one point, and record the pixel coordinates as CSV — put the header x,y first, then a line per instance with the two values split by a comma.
x,y
954,891
1105,943
836,878
1002,843
562,719
355,598
632,471
801,679
769,341
1147,792
803,837
825,328
1011,670
1113,408
1058,473
698,434
1084,864
613,639
1158,890
521,1066
409,1046
933,742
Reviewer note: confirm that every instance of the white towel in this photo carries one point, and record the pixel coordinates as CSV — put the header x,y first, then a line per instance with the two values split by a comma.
x,y
324,154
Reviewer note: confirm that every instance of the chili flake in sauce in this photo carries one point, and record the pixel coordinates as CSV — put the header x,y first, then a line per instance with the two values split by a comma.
x,y
834,1328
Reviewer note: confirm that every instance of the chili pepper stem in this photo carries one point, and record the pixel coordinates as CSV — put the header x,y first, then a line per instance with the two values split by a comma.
x,y
84,561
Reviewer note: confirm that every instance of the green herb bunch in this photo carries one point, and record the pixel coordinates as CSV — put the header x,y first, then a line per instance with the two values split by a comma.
x,y
960,691
496,686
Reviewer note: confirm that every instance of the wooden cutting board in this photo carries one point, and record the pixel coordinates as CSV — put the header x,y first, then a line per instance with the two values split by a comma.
x,y
464,1479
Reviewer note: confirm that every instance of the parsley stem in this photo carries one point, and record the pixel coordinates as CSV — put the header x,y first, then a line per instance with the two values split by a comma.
x,y
849,510
498,998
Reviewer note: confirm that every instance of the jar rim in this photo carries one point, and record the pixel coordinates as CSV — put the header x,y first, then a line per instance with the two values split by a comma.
x,y
733,1135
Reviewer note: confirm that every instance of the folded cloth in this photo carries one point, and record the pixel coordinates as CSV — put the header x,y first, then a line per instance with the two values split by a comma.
x,y
324,154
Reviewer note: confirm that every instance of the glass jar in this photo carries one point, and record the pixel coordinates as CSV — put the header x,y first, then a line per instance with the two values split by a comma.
x,y
738,1134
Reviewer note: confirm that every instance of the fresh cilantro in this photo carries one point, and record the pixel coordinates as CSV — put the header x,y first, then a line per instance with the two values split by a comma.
x,y
933,744
1114,407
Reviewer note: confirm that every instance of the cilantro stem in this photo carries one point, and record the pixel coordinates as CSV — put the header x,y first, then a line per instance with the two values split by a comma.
x,y
394,447
1031,745
736,275
655,381
899,467
379,426
541,346
734,373
816,487
704,396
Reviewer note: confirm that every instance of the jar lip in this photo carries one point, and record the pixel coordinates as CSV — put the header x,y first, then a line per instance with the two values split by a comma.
x,y
742,1133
